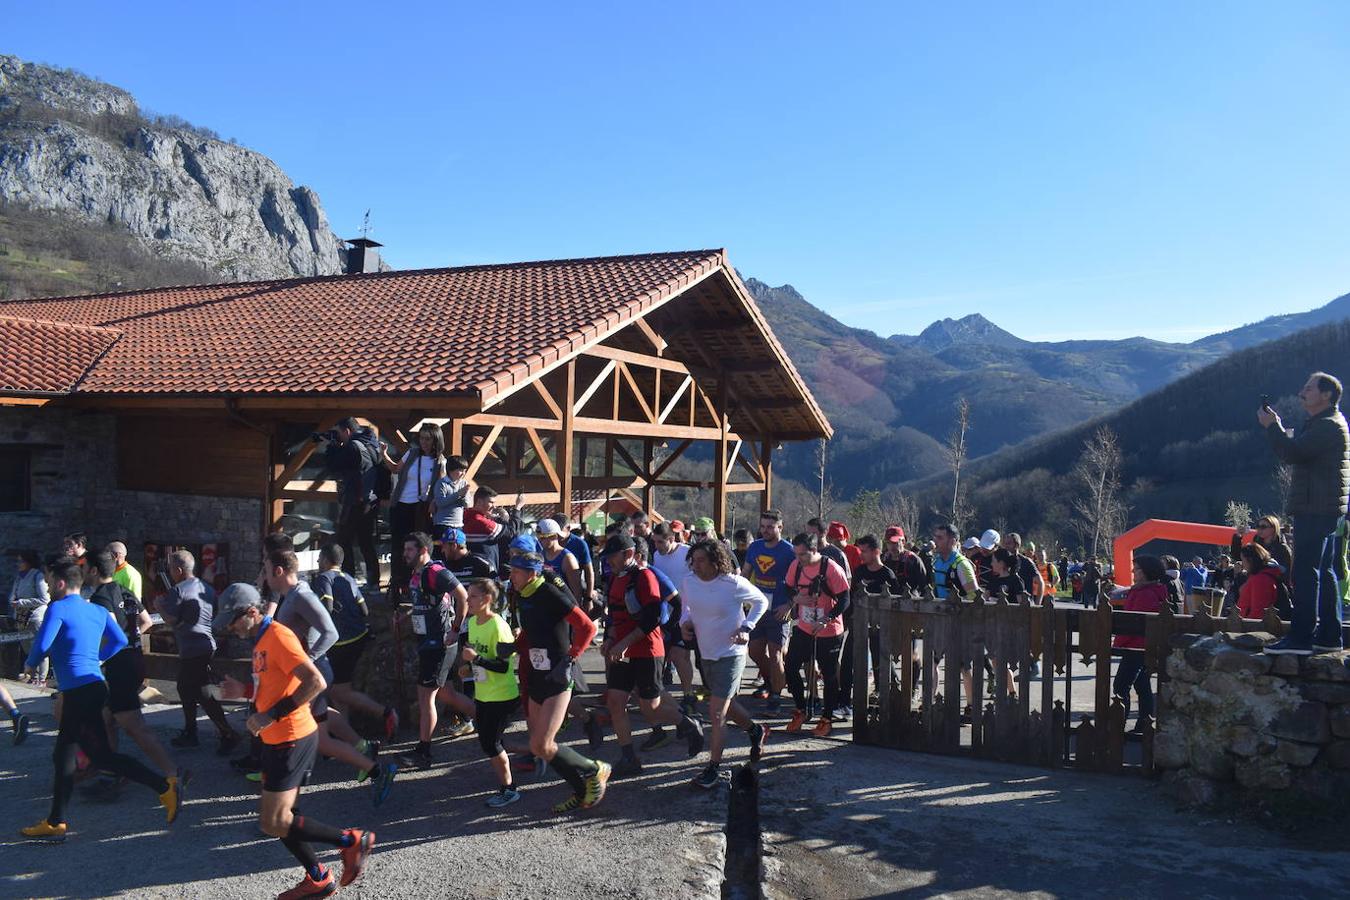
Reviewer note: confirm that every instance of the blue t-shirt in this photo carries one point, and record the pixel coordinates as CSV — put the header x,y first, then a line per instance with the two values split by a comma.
x,y
79,637
768,568
578,547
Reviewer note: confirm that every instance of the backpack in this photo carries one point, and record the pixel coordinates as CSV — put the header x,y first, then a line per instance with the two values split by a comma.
x,y
817,585
376,478
634,605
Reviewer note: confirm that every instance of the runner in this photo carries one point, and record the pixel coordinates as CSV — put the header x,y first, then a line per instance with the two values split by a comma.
x,y
671,561
285,683
635,650
305,616
343,599
489,665
820,596
578,547
79,637
438,603
545,614
125,673
188,607
874,577
766,565
557,558
17,720
714,604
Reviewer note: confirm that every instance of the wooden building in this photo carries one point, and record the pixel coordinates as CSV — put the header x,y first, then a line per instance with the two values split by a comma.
x,y
211,392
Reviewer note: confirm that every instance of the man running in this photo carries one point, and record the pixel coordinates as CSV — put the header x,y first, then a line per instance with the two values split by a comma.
x,y
188,607
714,607
545,612
635,650
79,637
671,560
820,596
766,565
17,720
438,605
285,683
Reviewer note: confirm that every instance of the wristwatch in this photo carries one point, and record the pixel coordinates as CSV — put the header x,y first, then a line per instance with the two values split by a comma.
x,y
745,627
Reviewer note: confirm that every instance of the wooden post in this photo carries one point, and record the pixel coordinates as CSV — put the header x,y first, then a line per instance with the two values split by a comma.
x,y
565,439
766,460
648,491
457,437
721,459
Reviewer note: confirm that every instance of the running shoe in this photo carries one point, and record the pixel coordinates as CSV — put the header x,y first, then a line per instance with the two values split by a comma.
x,y
383,782
758,735
185,740
571,803
761,693
44,831
594,731
421,759
354,857
459,729
229,742
693,735
627,767
308,887
595,785
823,727
658,738
709,777
844,713
20,729
171,800
255,777
390,723
688,704
505,797
798,717
774,704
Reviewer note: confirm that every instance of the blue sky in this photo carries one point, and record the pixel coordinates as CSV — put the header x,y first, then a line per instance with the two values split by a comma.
x,y
1066,169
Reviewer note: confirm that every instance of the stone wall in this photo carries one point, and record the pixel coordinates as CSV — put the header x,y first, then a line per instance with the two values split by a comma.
x,y
74,488
1237,722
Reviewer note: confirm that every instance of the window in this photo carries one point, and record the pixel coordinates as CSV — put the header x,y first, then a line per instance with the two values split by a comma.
x,y
15,478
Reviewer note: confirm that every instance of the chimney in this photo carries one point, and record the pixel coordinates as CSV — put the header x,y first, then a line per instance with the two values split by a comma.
x,y
362,256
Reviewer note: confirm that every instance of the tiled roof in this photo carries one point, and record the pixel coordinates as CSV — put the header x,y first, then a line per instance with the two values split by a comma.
x,y
476,328
39,357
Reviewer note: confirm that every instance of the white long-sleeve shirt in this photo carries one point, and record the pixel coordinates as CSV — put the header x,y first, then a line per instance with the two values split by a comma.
x,y
29,591
717,610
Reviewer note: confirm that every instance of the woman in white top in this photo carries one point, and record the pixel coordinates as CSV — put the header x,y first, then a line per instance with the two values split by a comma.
x,y
714,601
28,599
420,468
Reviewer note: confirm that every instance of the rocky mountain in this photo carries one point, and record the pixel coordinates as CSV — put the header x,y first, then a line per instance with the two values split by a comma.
x,y
82,149
971,329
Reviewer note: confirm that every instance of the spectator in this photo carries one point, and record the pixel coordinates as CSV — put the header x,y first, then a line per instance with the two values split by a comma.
x,y
449,497
1176,591
1147,594
1261,588
1194,575
1268,536
125,573
28,600
1092,583
1023,566
488,528
1319,452
351,455
420,467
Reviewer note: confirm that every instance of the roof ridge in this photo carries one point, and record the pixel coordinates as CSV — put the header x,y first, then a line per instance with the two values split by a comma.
x,y
52,323
392,273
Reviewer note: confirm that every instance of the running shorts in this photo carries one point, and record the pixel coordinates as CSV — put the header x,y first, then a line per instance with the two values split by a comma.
x,y
540,688
344,657
642,674
286,766
768,628
490,719
125,673
723,676
433,667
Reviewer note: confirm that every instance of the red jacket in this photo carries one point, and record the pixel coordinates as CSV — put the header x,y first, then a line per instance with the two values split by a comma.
x,y
1141,598
1259,591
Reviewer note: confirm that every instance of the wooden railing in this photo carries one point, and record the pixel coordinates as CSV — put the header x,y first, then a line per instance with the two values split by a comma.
x,y
923,647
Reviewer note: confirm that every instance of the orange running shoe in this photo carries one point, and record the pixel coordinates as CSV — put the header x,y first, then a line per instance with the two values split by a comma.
x,y
823,727
308,887
354,857
798,717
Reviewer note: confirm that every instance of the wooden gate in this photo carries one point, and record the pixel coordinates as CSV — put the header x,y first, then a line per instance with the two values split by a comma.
x,y
925,649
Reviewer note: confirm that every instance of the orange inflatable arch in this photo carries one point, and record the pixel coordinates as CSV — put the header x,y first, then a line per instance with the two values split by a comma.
x,y
1163,529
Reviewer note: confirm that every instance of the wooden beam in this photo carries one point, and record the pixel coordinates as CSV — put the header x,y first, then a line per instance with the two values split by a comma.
x,y
720,489
637,392
544,395
614,354
745,487
594,386
658,343
633,464
766,463
489,418
756,474
646,429
674,399
733,454
569,420
456,447
669,460
543,459
302,454
483,450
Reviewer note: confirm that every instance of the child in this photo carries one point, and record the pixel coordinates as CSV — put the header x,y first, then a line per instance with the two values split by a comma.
x,y
448,496
490,664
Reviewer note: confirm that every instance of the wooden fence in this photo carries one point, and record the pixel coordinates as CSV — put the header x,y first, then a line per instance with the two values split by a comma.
x,y
922,648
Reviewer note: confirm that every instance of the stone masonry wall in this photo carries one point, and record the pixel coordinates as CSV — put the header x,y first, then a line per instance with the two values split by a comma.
x,y
1238,721
74,478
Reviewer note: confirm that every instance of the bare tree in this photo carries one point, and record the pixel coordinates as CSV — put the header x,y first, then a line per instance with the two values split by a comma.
x,y
1238,515
1284,480
957,451
1099,508
822,463
897,509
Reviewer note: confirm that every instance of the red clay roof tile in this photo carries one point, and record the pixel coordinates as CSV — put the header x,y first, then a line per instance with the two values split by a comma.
x,y
38,357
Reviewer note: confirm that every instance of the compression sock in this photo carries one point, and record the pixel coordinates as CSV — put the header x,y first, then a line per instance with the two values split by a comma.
x,y
304,854
423,748
573,767
303,829
627,752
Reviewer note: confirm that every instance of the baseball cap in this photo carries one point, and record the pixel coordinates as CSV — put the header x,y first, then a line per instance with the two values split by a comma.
x,y
971,543
453,536
895,533
232,603
837,531
676,526
989,540
522,544
703,524
547,526
617,543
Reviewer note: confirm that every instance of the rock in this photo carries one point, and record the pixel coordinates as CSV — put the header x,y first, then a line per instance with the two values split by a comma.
x,y
1247,741
1182,641
1179,670
1237,661
1201,653
1265,773
1338,755
1325,692
1169,749
1340,721
1296,754
1285,665
1248,640
1211,761
1190,789
1305,722
1328,667
74,145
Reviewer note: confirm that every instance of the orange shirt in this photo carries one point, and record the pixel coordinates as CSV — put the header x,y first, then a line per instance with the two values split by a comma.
x,y
275,656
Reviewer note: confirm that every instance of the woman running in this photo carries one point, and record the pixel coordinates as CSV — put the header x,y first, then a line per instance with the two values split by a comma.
x,y
489,662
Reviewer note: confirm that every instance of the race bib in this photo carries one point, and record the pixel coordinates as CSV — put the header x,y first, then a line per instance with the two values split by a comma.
x,y
419,625
539,660
479,674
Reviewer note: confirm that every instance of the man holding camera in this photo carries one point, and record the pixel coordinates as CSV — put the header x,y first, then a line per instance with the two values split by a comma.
x,y
1319,452
352,454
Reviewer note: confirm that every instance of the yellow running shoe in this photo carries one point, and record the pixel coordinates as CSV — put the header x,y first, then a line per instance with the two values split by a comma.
x,y
171,800
45,831
571,803
595,785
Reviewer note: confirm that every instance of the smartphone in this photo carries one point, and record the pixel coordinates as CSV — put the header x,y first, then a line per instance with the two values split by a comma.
x,y
1265,401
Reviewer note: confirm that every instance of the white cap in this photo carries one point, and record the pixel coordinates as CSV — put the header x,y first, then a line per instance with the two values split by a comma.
x,y
970,543
547,526
989,540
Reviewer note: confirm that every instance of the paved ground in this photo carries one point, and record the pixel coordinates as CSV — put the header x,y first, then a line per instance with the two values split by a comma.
x,y
842,821
653,837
